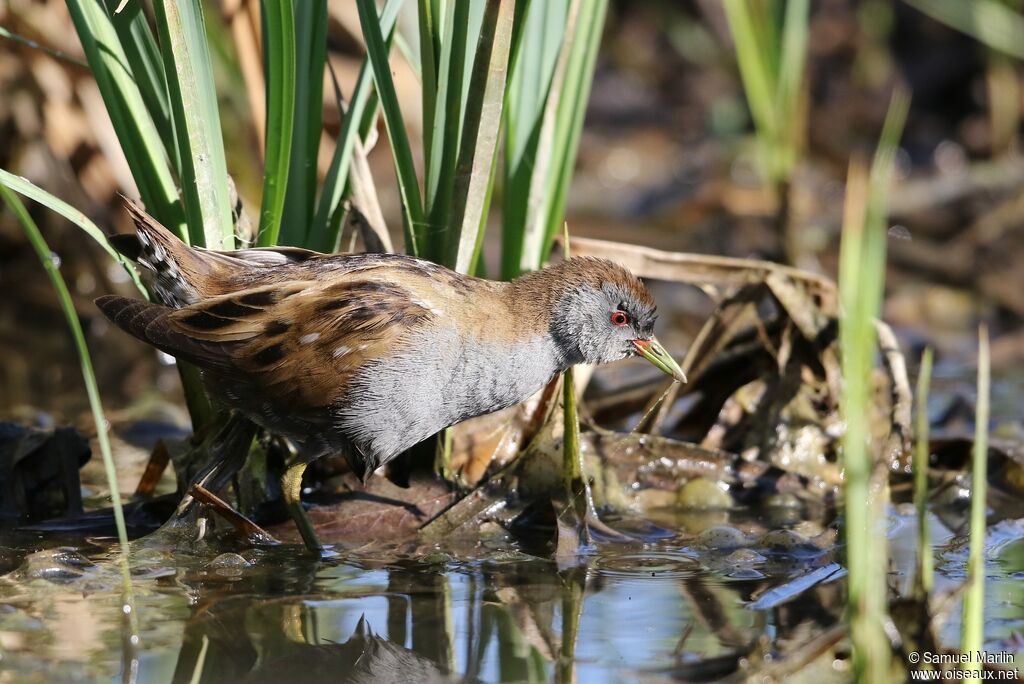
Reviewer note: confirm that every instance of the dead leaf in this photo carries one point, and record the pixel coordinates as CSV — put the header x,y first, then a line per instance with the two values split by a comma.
x,y
378,511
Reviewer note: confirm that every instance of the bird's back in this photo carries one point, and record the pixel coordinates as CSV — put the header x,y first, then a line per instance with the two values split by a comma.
x,y
282,335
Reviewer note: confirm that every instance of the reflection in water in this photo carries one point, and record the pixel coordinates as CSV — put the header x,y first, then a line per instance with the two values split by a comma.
x,y
506,619
364,657
663,611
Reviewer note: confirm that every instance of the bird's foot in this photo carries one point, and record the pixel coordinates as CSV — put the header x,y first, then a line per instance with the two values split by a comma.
x,y
291,487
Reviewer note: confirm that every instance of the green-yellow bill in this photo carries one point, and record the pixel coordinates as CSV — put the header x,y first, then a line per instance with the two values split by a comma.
x,y
653,351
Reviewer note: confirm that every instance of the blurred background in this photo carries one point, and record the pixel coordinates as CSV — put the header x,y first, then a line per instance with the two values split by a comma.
x,y
668,158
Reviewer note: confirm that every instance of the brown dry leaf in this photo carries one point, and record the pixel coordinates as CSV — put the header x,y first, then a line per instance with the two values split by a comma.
x,y
697,269
378,511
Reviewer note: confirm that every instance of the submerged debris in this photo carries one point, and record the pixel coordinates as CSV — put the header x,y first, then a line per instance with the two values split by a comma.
x,y
39,472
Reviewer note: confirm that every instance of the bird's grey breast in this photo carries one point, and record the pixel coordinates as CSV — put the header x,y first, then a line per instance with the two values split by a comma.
x,y
440,377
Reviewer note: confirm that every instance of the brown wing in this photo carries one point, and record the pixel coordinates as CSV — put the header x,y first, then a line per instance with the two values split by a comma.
x,y
300,342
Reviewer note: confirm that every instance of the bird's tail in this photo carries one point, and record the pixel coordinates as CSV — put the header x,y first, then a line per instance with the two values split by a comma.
x,y
151,323
180,274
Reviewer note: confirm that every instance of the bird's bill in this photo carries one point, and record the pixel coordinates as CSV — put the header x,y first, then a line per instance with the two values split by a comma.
x,y
653,351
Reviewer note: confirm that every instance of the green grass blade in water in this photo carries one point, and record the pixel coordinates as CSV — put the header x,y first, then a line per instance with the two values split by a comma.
x,y
196,115
925,572
46,257
972,633
279,62
861,283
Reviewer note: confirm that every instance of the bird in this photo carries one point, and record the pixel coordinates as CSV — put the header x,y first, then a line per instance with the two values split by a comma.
x,y
369,354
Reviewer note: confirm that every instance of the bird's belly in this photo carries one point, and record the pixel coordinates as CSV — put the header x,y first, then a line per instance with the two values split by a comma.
x,y
491,382
414,396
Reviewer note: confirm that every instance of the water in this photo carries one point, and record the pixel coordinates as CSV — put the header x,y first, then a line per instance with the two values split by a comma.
x,y
686,607
719,594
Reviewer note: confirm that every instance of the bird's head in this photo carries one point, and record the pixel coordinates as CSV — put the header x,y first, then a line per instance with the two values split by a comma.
x,y
604,313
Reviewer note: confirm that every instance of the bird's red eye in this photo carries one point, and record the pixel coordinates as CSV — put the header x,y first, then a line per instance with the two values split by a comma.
x,y
620,318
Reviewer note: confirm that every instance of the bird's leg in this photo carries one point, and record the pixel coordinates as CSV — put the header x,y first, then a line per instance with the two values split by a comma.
x,y
291,488
228,449
443,455
577,491
577,485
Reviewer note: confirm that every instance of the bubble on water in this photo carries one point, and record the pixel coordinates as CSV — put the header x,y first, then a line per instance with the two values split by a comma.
x,y
902,164
950,158
898,232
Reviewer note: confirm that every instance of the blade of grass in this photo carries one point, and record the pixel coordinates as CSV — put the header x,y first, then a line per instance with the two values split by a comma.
x,y
195,398
409,55
572,471
193,100
771,63
477,266
532,240
143,55
861,283
46,258
430,42
412,204
770,40
572,530
752,57
573,112
279,65
536,47
363,191
140,141
321,236
25,187
480,134
561,129
924,580
792,60
989,21
28,42
857,343
972,631
311,56
447,127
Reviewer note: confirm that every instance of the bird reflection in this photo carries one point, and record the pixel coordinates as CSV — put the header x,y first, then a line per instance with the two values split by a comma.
x,y
365,657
